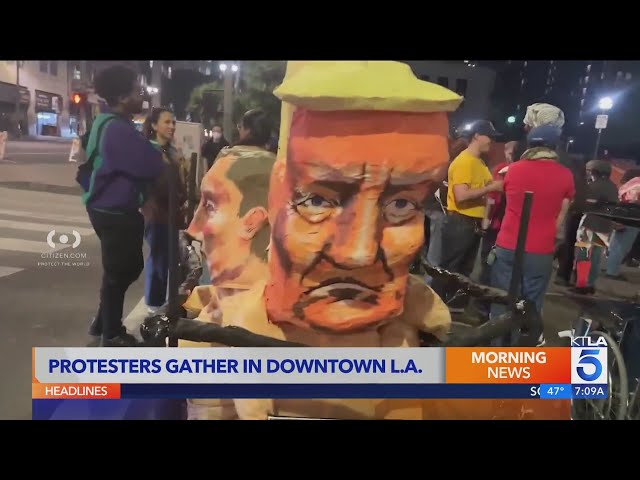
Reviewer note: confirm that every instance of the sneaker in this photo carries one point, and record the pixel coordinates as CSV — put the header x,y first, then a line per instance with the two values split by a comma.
x,y
541,341
122,340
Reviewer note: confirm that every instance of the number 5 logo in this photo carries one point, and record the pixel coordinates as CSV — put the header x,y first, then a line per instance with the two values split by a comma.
x,y
589,357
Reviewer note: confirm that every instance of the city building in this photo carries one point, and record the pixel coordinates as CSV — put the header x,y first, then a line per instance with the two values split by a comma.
x,y
474,83
44,96
56,97
575,86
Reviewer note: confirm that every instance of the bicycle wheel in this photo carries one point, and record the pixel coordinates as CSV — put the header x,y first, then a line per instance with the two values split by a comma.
x,y
615,406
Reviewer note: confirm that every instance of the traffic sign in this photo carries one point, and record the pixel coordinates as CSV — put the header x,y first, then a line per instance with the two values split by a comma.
x,y
601,121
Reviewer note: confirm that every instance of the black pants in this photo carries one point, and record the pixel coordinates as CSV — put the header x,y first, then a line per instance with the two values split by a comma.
x,y
122,263
565,252
460,243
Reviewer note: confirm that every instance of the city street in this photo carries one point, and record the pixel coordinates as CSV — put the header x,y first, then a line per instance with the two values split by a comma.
x,y
50,301
45,301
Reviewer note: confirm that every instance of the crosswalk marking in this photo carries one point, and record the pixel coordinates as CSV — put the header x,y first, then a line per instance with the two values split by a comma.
x,y
84,220
40,214
28,246
6,271
41,227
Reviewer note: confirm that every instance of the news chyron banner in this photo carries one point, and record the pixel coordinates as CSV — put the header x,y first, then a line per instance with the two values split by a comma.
x,y
64,376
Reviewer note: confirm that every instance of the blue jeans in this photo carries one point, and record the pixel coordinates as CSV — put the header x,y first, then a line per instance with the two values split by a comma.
x,y
620,245
156,266
434,249
536,273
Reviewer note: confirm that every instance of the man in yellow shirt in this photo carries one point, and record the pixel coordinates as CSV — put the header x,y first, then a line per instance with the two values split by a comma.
x,y
469,180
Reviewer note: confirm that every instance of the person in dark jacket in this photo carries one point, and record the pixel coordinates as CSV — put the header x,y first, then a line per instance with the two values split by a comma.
x,y
125,165
594,232
212,147
159,127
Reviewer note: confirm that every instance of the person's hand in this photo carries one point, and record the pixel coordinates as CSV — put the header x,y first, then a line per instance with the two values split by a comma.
x,y
495,186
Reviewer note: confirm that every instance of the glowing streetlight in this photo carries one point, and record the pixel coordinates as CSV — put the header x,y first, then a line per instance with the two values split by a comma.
x,y
223,67
605,103
234,68
511,119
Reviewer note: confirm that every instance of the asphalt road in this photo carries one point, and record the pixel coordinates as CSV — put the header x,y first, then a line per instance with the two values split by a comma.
x,y
46,302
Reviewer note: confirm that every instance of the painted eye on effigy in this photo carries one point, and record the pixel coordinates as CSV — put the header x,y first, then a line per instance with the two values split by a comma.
x,y
314,207
210,206
399,210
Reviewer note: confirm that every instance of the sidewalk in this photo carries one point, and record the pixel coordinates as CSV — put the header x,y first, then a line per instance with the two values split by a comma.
x,y
54,178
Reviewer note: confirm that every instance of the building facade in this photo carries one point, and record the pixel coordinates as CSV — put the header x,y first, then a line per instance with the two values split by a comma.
x,y
474,83
44,96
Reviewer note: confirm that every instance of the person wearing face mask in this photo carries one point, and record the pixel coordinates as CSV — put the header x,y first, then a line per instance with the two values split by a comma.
x,y
212,147
159,127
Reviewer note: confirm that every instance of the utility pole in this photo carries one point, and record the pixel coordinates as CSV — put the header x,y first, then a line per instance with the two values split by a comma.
x,y
227,104
18,98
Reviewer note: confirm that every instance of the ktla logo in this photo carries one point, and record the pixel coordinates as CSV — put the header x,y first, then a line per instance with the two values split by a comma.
x,y
63,239
589,361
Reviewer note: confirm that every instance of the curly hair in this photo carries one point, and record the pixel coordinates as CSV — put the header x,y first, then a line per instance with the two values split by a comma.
x,y
113,83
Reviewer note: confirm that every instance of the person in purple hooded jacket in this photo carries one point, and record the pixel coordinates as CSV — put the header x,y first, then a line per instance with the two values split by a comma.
x,y
124,166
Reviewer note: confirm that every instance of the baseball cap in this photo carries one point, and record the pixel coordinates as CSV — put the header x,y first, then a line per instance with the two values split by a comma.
x,y
481,127
545,135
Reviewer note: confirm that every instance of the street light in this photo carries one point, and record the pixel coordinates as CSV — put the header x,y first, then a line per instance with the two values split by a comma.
x,y
605,104
227,101
511,119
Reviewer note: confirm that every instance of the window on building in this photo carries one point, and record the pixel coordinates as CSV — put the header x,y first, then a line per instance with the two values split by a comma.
x,y
169,72
619,75
424,78
518,108
53,67
208,71
526,63
444,81
461,86
584,91
551,62
602,76
44,66
582,102
627,76
150,63
77,75
588,68
586,79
